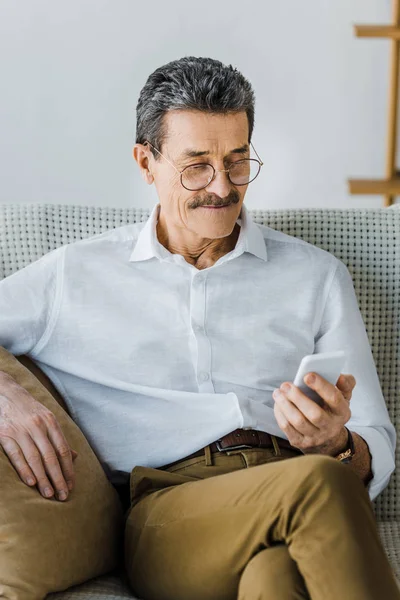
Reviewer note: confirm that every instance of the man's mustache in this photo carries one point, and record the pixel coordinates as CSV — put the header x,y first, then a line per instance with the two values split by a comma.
x,y
212,200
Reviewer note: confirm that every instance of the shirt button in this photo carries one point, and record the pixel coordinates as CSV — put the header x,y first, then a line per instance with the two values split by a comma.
x,y
204,376
197,328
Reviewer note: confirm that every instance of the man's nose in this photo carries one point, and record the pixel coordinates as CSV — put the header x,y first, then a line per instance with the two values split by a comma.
x,y
220,185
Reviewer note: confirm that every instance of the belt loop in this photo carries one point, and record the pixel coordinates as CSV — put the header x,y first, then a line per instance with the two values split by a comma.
x,y
207,454
276,445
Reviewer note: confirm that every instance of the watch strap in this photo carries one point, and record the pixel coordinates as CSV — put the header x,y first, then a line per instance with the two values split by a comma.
x,y
346,455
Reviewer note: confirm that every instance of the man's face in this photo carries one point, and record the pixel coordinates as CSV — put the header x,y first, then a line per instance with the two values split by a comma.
x,y
215,137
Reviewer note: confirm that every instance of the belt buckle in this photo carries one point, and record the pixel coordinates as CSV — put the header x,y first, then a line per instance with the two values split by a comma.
x,y
231,447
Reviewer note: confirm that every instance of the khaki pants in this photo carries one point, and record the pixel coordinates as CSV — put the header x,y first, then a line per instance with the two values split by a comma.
x,y
252,525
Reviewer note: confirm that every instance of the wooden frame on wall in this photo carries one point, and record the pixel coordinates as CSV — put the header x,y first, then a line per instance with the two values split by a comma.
x,y
390,186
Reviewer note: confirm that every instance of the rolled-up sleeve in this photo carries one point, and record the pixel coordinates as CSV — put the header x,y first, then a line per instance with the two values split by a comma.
x,y
28,304
381,448
342,328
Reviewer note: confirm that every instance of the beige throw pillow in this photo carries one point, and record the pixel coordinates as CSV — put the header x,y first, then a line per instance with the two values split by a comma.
x,y
48,545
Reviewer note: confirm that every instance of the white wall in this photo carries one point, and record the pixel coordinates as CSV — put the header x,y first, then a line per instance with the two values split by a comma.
x,y
71,73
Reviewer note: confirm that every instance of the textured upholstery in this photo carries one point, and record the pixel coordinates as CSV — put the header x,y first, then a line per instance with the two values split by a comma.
x,y
366,240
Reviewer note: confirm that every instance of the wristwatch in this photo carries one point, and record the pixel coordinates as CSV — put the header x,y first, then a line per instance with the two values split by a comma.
x,y
346,455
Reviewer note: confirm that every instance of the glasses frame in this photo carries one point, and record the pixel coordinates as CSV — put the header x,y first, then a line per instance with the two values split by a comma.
x,y
260,162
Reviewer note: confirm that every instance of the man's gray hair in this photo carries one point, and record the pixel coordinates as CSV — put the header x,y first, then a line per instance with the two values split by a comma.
x,y
190,83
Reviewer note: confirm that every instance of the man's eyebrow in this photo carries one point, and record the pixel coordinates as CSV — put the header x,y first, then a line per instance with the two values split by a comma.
x,y
189,153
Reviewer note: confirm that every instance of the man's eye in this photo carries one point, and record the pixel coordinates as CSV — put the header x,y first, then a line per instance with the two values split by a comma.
x,y
199,168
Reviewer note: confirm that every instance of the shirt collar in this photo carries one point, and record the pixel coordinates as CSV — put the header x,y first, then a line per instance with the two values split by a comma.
x,y
250,239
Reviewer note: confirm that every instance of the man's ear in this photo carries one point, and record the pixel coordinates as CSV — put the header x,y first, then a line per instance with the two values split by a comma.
x,y
142,156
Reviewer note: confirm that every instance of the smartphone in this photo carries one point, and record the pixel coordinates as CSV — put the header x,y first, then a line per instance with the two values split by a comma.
x,y
327,364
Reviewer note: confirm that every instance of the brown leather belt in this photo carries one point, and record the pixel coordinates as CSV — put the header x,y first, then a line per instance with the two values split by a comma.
x,y
237,439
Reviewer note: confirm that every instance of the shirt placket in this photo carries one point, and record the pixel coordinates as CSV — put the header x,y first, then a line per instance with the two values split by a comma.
x,y
197,320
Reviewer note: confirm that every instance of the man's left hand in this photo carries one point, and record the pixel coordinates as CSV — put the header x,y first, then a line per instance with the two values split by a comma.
x,y
308,426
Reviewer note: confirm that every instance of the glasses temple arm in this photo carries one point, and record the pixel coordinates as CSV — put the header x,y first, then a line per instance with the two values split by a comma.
x,y
257,154
147,142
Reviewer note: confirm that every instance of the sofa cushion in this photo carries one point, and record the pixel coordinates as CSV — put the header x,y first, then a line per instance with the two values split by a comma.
x,y
47,545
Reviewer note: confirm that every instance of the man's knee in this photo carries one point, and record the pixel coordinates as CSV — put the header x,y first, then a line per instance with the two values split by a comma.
x,y
272,573
326,470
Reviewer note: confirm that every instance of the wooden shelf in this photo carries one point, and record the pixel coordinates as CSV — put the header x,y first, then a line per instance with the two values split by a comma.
x,y
377,31
375,186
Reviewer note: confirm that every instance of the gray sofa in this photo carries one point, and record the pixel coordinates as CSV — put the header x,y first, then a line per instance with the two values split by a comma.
x,y
367,241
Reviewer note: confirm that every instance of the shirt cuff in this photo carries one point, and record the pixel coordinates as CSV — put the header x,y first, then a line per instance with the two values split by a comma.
x,y
257,415
382,464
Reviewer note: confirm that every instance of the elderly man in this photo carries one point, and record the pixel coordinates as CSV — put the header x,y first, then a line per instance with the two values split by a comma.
x,y
175,343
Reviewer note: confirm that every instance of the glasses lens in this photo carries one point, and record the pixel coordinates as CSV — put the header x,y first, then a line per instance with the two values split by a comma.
x,y
244,171
197,176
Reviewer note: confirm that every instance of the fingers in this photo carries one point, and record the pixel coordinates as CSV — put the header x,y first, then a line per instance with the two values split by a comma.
x,y
27,461
295,438
63,453
314,413
50,464
346,384
328,392
34,442
295,417
26,458
16,457
306,424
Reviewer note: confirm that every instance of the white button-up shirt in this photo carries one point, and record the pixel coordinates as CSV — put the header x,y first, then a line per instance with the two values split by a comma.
x,y
156,358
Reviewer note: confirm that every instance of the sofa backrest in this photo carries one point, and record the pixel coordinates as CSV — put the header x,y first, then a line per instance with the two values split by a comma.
x,y
366,240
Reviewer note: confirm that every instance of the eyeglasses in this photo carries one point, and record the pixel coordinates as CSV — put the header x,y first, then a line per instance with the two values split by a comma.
x,y
199,176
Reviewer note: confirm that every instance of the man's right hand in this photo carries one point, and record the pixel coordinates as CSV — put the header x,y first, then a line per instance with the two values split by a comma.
x,y
34,442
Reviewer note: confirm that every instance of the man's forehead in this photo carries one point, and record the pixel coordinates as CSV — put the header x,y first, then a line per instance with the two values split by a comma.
x,y
191,134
